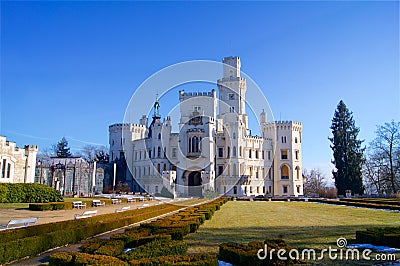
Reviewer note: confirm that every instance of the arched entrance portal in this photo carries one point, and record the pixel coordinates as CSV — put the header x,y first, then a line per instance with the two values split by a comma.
x,y
194,184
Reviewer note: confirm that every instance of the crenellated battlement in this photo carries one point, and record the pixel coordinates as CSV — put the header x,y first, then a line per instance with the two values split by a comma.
x,y
126,126
186,95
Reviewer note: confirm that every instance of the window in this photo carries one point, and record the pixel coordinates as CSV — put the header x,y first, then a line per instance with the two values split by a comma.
x,y
231,96
197,108
158,168
8,170
269,155
258,190
285,189
224,189
234,135
263,155
270,174
295,140
3,169
285,172
235,190
257,175
173,152
263,189
113,142
249,153
234,151
251,189
220,169
159,135
256,151
234,169
220,152
194,144
297,172
283,139
298,189
159,152
228,152
165,167
245,189
150,154
240,151
269,189
296,153
284,154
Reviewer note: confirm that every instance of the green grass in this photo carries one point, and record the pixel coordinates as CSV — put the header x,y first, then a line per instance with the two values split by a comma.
x,y
301,224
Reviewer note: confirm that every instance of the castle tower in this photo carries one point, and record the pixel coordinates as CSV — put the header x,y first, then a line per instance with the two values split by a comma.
x,y
232,88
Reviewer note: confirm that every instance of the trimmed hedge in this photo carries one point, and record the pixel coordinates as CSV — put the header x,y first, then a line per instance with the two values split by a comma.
x,y
75,258
50,206
246,254
184,260
112,248
155,249
387,236
28,192
80,259
32,240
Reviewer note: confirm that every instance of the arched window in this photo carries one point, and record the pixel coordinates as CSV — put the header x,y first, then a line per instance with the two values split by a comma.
x,y
195,144
159,135
159,153
190,145
158,168
229,152
234,169
234,135
240,151
235,190
285,172
234,151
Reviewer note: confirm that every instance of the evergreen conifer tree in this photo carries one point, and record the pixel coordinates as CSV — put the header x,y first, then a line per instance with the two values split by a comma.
x,y
62,150
347,152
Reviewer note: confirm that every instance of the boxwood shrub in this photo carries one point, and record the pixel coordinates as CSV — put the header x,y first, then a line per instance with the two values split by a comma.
x,y
80,259
155,249
191,259
387,236
246,254
28,192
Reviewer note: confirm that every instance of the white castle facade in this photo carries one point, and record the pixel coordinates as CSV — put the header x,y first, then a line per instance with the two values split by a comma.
x,y
212,151
17,165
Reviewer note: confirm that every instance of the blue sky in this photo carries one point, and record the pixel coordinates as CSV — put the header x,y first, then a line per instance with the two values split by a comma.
x,y
70,68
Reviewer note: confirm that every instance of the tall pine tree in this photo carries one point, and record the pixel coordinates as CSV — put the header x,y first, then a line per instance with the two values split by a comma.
x,y
62,150
347,152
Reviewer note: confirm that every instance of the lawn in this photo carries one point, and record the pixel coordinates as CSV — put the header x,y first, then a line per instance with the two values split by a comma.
x,y
301,224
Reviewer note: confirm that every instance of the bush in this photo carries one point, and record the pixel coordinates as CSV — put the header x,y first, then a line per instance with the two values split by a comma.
x,y
246,254
28,192
192,259
155,249
80,259
50,206
387,236
32,240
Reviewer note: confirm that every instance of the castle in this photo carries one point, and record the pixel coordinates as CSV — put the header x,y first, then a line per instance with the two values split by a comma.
x,y
212,152
17,165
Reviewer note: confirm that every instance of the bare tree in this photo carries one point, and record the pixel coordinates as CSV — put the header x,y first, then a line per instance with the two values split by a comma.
x,y
315,184
383,160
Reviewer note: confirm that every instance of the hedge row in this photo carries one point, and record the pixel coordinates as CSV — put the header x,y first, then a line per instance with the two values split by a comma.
x,y
394,202
185,222
246,254
28,192
78,259
32,240
153,242
387,236
156,249
358,204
